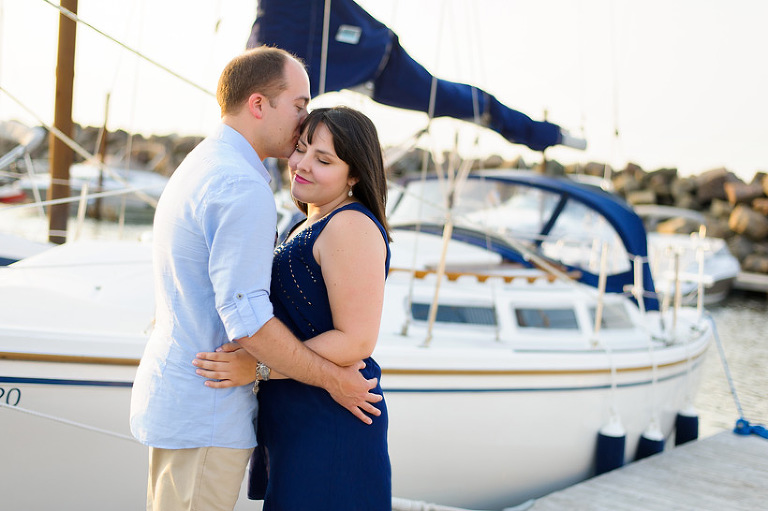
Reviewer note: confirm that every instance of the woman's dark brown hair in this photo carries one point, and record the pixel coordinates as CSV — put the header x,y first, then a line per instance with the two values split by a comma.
x,y
356,142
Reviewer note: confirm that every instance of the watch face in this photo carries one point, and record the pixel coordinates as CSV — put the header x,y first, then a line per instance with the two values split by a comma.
x,y
262,372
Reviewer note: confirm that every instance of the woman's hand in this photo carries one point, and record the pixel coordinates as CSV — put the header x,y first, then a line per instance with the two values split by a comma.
x,y
229,366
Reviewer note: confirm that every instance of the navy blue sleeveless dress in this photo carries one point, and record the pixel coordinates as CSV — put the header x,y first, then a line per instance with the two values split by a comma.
x,y
313,454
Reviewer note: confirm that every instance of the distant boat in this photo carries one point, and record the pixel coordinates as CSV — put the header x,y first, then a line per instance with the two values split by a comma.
x,y
11,192
703,262
27,140
136,190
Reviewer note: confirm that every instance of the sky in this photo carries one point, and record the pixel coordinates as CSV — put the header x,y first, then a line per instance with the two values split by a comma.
x,y
660,83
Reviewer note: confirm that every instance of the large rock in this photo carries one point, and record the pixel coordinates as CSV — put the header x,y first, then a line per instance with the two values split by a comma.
x,y
641,197
761,205
552,168
678,225
660,181
710,184
598,169
720,208
493,162
741,193
635,170
718,228
518,162
625,183
683,186
740,247
755,263
748,222
687,202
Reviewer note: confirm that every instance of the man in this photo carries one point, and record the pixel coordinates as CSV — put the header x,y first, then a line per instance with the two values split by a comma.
x,y
214,234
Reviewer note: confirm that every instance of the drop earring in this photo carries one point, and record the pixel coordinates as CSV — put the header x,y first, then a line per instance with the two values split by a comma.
x,y
349,193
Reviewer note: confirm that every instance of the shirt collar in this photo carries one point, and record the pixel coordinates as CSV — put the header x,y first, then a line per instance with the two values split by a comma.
x,y
231,136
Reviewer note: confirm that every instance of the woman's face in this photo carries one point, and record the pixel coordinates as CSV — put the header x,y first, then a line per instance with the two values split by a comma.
x,y
318,176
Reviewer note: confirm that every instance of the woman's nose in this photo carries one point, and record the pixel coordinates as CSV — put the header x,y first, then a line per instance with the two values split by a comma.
x,y
301,161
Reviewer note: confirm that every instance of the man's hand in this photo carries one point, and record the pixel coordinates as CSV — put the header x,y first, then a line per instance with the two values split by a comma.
x,y
229,366
352,391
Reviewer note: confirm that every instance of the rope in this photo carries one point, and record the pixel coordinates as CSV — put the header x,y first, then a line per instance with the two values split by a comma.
x,y
743,426
69,14
69,422
77,198
725,366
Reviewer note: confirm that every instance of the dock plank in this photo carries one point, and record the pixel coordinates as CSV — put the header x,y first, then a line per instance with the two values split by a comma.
x,y
725,471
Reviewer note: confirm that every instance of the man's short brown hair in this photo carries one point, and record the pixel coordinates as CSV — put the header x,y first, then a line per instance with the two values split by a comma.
x,y
259,70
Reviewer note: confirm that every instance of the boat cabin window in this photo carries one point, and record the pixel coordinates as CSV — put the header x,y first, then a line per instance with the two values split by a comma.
x,y
563,319
463,314
614,316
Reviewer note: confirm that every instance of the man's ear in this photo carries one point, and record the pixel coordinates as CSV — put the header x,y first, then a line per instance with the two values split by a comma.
x,y
256,105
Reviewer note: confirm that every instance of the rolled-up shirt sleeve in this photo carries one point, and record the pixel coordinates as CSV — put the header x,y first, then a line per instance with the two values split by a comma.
x,y
239,223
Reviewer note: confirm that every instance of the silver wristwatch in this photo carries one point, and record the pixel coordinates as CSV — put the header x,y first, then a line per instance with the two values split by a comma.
x,y
262,372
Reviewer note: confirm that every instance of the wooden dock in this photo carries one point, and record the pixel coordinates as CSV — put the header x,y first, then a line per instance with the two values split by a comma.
x,y
722,472
747,281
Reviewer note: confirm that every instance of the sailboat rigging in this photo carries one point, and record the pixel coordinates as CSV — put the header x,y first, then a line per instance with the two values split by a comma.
x,y
344,47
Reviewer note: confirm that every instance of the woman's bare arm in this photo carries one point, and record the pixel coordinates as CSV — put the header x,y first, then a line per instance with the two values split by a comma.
x,y
351,253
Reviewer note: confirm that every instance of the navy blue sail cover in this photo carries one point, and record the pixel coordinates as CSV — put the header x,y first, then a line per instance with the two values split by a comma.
x,y
362,50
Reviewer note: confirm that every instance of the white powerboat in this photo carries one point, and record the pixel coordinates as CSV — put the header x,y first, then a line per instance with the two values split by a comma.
x,y
692,262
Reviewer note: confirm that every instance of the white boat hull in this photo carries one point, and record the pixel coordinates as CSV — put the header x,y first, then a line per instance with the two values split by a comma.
x,y
507,438
60,465
484,417
480,438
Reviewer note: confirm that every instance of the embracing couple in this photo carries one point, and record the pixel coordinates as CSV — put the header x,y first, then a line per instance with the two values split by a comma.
x,y
301,320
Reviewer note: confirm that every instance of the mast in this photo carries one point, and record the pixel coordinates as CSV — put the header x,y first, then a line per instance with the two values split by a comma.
x,y
61,156
103,159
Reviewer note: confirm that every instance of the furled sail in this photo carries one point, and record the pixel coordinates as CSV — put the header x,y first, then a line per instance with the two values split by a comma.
x,y
363,51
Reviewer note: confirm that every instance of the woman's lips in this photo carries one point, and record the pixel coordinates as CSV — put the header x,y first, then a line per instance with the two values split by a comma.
x,y
300,179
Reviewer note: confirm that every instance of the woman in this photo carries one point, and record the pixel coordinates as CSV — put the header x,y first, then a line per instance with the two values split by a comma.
x,y
328,288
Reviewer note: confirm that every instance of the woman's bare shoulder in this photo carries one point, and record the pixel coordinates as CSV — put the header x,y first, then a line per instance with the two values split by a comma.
x,y
351,227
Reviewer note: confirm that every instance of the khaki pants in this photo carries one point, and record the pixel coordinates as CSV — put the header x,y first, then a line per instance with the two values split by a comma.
x,y
201,479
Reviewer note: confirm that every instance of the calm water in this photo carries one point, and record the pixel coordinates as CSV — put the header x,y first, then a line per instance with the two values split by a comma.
x,y
741,322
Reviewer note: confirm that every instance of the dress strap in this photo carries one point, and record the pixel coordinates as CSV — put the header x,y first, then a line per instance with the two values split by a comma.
x,y
361,208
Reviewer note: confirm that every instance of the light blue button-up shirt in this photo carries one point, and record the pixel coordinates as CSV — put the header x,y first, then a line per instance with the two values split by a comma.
x,y
214,234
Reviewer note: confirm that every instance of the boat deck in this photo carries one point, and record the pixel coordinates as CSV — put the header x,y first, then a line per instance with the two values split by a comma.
x,y
723,471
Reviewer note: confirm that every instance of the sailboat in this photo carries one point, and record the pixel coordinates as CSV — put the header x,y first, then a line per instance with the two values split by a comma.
x,y
501,365
497,388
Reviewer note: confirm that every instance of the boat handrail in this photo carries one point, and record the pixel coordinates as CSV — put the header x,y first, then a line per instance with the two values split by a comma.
x,y
483,277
